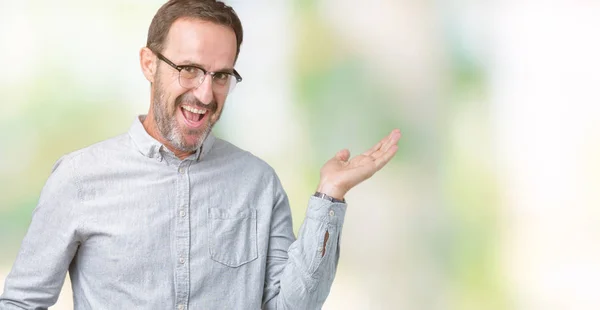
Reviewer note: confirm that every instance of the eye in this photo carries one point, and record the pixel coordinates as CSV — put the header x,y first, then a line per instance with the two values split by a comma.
x,y
190,69
221,76
190,72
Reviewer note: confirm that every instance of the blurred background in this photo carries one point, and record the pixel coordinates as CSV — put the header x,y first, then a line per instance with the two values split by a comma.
x,y
492,201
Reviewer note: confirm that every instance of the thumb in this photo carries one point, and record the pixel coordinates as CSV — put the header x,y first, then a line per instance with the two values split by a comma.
x,y
343,155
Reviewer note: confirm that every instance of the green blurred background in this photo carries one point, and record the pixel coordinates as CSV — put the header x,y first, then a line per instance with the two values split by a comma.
x,y
492,200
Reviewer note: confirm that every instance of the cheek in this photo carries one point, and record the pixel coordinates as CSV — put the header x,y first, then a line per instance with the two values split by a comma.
x,y
220,100
171,98
170,91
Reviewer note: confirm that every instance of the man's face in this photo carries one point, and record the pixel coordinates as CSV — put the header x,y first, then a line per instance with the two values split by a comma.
x,y
184,117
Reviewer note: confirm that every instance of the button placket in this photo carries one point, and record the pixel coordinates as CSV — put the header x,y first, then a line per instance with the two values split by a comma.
x,y
182,235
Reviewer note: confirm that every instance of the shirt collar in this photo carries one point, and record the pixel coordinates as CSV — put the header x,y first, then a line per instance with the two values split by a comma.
x,y
151,148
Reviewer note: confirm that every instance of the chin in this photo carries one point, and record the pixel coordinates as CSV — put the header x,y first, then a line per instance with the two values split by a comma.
x,y
193,142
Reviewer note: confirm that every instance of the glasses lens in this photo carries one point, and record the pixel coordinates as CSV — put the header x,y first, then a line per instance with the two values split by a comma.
x,y
188,79
232,83
220,84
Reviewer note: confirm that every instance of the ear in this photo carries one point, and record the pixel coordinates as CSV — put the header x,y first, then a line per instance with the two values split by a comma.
x,y
148,63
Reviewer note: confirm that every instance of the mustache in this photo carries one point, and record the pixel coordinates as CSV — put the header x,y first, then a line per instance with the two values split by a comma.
x,y
193,101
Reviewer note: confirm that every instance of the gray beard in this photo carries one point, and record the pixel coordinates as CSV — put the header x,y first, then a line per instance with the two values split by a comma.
x,y
167,127
175,138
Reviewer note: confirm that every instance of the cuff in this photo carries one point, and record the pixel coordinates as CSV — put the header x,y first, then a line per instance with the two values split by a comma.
x,y
326,211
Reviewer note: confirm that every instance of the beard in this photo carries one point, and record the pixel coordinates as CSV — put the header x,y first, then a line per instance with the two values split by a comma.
x,y
169,128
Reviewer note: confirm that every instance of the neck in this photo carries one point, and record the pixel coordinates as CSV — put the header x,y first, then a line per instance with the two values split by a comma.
x,y
152,130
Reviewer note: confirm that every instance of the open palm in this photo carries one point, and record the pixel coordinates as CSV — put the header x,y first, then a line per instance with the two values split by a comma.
x,y
341,173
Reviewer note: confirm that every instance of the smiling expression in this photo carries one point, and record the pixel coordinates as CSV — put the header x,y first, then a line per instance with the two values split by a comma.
x,y
182,118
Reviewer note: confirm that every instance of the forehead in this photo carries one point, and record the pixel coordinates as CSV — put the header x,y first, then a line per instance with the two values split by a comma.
x,y
201,42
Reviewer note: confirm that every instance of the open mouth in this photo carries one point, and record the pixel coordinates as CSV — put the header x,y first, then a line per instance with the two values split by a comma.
x,y
193,116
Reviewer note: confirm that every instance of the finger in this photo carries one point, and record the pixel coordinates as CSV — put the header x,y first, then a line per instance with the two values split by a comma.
x,y
392,140
374,148
386,157
343,155
394,137
379,145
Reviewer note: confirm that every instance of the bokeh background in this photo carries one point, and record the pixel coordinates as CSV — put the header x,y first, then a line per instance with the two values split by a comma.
x,y
492,201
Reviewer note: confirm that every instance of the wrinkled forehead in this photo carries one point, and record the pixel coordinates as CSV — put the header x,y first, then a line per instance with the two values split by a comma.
x,y
205,43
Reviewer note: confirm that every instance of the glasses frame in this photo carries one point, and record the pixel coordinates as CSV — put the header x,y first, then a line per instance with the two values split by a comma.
x,y
234,74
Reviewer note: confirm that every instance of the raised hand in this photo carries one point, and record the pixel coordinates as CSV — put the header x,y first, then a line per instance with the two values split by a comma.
x,y
341,173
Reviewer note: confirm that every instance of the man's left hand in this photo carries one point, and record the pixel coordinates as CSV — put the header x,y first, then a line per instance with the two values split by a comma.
x,y
341,173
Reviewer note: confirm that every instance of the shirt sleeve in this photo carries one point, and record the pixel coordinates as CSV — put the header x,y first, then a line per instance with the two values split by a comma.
x,y
299,276
38,273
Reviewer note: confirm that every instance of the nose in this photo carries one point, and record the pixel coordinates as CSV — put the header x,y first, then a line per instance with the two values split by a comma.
x,y
204,92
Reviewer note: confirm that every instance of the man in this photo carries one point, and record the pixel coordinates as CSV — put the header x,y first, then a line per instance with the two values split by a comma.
x,y
169,217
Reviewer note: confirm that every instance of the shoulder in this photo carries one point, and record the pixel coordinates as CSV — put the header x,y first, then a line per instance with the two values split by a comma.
x,y
96,154
247,171
225,153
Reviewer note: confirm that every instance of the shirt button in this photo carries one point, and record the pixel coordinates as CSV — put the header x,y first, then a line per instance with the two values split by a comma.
x,y
181,170
180,307
181,260
320,249
182,213
331,213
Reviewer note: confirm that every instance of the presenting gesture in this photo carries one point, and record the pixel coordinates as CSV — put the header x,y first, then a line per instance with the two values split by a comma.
x,y
341,173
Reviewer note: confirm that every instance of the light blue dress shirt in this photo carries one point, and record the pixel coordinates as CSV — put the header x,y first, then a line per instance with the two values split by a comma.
x,y
138,228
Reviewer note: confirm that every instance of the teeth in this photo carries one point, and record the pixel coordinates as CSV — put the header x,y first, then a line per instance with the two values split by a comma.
x,y
194,110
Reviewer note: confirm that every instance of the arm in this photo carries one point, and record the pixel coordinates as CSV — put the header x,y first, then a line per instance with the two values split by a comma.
x,y
300,277
48,247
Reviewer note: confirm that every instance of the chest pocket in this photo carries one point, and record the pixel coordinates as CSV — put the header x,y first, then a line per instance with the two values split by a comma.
x,y
232,236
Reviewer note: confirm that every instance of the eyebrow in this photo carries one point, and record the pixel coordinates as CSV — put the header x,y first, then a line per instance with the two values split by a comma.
x,y
188,63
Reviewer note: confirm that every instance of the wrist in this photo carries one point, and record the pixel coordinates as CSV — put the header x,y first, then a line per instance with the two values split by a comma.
x,y
331,191
328,198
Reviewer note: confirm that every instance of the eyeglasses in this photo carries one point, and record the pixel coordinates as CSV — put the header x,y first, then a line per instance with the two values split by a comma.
x,y
191,76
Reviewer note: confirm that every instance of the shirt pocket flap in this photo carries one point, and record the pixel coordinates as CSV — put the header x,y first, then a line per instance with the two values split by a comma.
x,y
233,236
